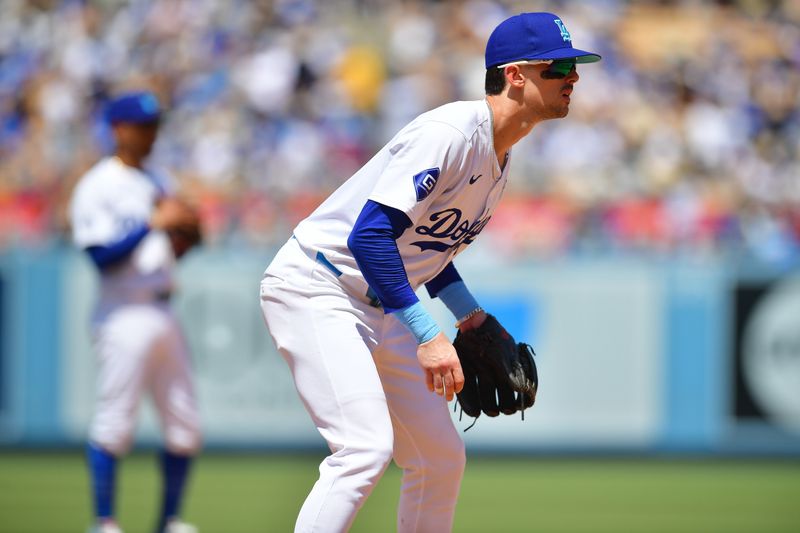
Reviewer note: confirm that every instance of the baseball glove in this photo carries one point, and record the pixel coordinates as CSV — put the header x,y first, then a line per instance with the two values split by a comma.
x,y
499,373
185,237
180,221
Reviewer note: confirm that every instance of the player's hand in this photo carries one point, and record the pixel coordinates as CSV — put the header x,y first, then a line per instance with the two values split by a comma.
x,y
443,373
173,214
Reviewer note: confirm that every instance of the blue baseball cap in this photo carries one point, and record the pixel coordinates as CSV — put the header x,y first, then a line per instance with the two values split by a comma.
x,y
533,36
134,108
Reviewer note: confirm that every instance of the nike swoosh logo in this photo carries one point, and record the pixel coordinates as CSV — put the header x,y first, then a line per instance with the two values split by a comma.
x,y
474,178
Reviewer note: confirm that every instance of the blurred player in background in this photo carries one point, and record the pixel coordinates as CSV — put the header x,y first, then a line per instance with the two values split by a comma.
x,y
125,218
339,298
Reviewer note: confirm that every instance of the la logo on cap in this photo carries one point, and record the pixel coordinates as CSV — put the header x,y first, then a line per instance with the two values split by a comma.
x,y
564,33
148,103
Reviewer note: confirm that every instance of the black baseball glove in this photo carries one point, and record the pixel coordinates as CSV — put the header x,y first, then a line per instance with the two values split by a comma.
x,y
499,373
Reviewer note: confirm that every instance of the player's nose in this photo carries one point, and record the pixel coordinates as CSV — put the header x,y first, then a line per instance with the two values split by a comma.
x,y
573,76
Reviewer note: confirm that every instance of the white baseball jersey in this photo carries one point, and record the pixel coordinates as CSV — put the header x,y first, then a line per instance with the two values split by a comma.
x,y
441,170
109,201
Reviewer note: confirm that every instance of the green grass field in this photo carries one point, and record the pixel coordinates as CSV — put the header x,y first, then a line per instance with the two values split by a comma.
x,y
48,493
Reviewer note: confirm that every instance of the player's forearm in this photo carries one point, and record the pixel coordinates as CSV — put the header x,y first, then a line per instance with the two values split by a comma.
x,y
108,255
373,242
453,292
448,275
373,245
419,322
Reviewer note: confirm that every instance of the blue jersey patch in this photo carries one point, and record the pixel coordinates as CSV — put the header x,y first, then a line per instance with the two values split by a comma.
x,y
425,181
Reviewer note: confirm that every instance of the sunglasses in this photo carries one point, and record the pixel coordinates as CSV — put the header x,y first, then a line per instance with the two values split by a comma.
x,y
558,69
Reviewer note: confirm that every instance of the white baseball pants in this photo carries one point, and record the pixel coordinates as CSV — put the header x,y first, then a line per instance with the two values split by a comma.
x,y
140,348
357,373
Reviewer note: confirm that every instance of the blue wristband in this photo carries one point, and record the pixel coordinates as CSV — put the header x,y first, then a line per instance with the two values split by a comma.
x,y
458,299
419,322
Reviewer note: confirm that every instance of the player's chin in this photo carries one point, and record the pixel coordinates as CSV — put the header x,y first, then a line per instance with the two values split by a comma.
x,y
559,111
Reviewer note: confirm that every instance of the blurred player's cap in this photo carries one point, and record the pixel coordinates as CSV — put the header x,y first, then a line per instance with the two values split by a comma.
x,y
533,36
134,108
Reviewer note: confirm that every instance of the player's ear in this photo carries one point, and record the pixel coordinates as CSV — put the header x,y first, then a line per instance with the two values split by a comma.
x,y
120,131
514,76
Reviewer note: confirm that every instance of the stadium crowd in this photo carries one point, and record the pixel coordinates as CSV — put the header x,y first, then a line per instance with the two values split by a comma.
x,y
684,139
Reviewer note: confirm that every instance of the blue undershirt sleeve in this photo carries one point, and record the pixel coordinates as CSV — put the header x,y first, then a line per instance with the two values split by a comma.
x,y
105,256
448,275
419,322
451,290
373,244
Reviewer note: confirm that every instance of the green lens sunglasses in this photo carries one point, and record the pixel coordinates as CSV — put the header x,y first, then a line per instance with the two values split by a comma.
x,y
558,68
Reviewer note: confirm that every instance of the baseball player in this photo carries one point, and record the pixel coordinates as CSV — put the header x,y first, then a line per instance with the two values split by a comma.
x,y
123,217
370,364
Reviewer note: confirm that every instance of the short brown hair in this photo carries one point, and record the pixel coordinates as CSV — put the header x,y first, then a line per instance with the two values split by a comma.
x,y
495,80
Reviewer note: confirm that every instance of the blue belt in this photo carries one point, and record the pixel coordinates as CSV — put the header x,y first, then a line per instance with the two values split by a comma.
x,y
370,294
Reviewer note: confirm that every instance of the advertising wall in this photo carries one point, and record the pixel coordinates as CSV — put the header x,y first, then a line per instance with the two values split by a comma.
x,y
4,349
766,357
633,355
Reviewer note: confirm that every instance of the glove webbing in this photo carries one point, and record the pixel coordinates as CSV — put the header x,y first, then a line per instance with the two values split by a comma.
x,y
461,414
